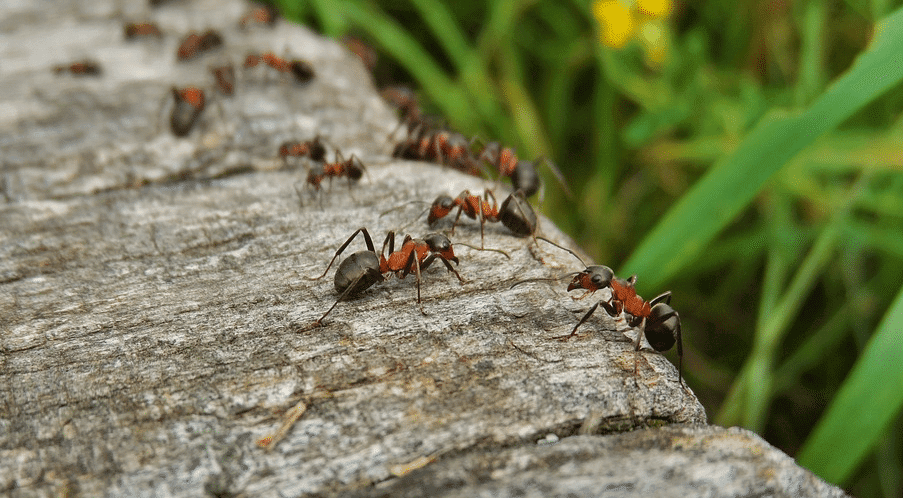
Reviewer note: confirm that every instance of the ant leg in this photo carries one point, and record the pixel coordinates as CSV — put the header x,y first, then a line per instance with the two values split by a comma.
x,y
557,173
414,262
637,344
428,261
300,196
390,241
664,297
658,320
462,197
581,322
613,310
367,239
342,296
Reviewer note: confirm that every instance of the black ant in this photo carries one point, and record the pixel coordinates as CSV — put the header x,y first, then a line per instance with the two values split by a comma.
x,y
195,44
301,70
189,104
515,212
134,30
83,68
361,270
224,76
264,15
314,149
655,319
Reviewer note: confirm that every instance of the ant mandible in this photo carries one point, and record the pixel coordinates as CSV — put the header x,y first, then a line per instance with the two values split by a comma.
x,y
515,212
361,270
655,319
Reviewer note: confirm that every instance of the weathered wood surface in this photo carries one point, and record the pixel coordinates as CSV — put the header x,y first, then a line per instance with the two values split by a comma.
x,y
155,309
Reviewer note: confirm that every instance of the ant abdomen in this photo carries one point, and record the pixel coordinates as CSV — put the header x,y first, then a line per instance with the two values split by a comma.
x,y
361,267
517,215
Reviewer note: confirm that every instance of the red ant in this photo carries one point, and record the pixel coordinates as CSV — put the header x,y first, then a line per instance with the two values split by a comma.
x,y
314,149
655,319
224,76
141,30
301,70
265,15
522,173
361,270
194,44
83,68
353,168
189,103
515,213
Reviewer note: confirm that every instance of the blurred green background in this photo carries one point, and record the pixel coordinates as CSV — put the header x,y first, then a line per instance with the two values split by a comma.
x,y
745,155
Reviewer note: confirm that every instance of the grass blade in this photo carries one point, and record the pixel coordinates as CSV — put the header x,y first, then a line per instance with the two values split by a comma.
x,y
867,402
720,195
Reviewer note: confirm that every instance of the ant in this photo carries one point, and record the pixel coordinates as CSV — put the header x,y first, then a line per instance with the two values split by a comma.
x,y
515,213
189,103
361,270
522,173
195,44
314,149
141,30
301,70
655,319
453,149
83,68
265,15
353,168
224,76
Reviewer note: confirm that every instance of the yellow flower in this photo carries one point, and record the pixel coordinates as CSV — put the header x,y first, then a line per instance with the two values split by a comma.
x,y
643,20
655,9
616,22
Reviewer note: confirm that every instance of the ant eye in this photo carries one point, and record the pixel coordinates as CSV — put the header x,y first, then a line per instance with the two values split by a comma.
x,y
601,276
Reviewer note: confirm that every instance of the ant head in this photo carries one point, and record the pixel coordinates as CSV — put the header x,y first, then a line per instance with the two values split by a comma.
x,y
440,244
440,208
592,278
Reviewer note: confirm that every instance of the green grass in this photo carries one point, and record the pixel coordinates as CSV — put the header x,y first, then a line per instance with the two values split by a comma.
x,y
756,172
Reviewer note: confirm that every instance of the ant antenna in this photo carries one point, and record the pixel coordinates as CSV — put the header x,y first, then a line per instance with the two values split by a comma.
x,y
482,248
396,208
541,279
563,249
